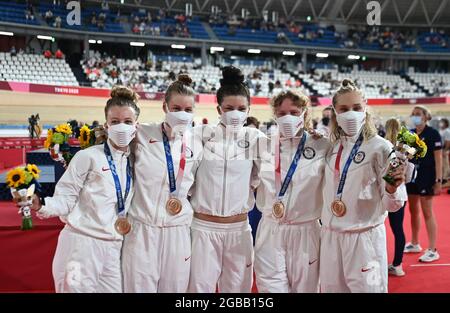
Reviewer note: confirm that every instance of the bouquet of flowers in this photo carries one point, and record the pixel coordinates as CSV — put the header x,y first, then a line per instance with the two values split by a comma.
x,y
22,182
91,136
408,146
57,143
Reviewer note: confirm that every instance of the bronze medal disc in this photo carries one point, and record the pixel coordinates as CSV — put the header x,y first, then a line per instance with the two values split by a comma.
x,y
278,209
174,206
122,225
338,208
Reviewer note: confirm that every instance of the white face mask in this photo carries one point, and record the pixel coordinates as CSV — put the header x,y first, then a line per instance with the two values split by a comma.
x,y
289,125
179,121
234,120
351,122
121,134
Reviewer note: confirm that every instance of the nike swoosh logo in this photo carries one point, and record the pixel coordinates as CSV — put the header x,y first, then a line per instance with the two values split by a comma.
x,y
248,265
311,262
105,169
152,141
366,269
185,259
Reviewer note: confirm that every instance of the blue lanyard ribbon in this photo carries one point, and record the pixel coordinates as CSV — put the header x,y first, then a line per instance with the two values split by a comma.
x,y
169,160
355,149
120,199
292,167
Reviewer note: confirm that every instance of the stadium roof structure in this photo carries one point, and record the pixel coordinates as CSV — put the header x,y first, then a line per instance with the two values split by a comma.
x,y
417,13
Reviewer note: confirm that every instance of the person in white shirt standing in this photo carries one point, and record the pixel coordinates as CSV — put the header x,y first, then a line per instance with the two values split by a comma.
x,y
92,198
353,256
290,199
222,245
157,251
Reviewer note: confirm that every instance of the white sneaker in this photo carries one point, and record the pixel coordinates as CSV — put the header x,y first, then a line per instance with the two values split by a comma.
x,y
395,270
410,248
429,256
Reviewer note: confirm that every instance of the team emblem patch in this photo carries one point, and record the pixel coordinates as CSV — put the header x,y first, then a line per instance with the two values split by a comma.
x,y
359,157
309,153
244,144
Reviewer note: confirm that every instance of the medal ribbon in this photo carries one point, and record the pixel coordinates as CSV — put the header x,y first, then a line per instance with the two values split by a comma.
x,y
337,163
292,167
112,166
174,183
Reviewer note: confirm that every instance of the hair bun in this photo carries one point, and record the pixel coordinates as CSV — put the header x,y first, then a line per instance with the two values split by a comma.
x,y
348,82
125,93
185,79
232,76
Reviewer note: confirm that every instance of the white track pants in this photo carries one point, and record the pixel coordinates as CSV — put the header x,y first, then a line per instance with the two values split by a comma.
x,y
287,257
353,262
86,264
156,259
222,255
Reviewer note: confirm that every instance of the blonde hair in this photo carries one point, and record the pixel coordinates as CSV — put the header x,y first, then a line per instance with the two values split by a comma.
x,y
182,86
424,110
369,129
393,127
299,99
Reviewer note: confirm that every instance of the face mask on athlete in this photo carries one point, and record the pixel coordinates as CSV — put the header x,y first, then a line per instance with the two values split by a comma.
x,y
234,120
179,121
121,134
416,120
351,121
289,125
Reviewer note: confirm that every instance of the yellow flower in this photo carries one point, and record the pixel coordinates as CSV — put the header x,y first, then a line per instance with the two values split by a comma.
x,y
85,136
64,129
15,177
48,141
34,170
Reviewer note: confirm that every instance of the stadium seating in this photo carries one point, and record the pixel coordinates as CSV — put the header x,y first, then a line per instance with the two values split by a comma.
x,y
15,13
31,68
436,84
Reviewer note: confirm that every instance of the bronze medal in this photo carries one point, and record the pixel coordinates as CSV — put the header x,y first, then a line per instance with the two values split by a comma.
x,y
338,208
122,225
174,206
278,209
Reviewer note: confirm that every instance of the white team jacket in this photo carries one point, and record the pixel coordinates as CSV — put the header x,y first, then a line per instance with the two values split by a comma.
x,y
227,174
364,192
303,198
152,182
85,196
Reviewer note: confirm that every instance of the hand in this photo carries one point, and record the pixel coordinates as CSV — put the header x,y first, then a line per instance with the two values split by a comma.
x,y
315,134
437,188
36,203
399,176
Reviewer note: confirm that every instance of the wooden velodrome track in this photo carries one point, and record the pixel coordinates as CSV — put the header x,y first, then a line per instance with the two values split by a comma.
x,y
16,107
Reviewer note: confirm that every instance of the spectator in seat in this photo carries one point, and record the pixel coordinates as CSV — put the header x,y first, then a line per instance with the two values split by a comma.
x,y
59,54
13,51
47,54
57,23
48,17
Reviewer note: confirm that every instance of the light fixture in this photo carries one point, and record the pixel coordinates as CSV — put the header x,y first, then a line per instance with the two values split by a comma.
x,y
353,57
216,49
99,42
92,41
254,51
7,33
291,53
137,44
174,46
321,55
46,37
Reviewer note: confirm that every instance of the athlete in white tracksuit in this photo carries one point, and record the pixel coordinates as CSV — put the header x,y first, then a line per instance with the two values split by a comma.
x,y
222,253
353,256
87,257
157,251
287,248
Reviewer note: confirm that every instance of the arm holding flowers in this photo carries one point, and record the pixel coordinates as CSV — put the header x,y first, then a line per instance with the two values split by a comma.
x,y
67,189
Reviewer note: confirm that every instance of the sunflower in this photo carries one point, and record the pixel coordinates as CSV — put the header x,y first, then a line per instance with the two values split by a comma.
x,y
48,141
85,136
64,129
15,177
34,170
